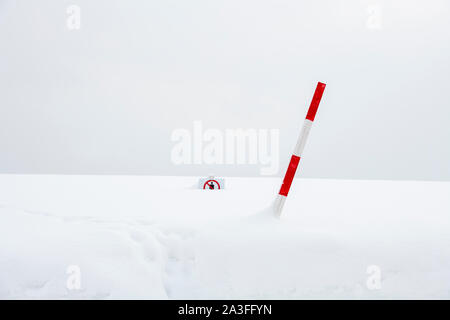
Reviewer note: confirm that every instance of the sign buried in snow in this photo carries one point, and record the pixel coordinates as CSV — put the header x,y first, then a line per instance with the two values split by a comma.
x,y
211,183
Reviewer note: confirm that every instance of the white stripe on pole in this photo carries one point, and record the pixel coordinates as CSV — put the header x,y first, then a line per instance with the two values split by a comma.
x,y
279,204
298,150
301,142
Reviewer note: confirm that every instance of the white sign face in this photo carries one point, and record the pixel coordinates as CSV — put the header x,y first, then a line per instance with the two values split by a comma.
x,y
211,183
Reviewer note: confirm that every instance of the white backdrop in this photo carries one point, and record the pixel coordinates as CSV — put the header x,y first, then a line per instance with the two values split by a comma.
x,y
106,98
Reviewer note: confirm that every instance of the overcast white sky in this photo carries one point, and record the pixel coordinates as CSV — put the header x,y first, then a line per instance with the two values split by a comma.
x,y
105,99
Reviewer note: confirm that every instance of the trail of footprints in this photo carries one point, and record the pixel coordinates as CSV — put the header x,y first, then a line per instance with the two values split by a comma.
x,y
171,249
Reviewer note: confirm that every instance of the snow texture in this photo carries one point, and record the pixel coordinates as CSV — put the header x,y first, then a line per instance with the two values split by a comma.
x,y
160,238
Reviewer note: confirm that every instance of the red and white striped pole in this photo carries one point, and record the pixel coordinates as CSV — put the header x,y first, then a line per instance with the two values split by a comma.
x,y
296,155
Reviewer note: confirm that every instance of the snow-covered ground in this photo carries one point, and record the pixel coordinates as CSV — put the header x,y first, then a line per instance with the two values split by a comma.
x,y
160,237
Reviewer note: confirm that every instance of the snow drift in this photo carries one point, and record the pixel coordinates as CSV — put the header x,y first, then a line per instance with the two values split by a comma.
x,y
158,238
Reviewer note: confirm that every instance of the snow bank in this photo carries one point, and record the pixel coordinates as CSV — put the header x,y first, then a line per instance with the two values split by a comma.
x,y
157,238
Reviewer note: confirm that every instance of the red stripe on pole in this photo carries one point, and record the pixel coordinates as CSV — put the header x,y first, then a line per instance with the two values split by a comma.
x,y
315,101
289,176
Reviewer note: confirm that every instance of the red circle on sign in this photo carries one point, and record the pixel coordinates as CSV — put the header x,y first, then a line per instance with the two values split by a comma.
x,y
211,181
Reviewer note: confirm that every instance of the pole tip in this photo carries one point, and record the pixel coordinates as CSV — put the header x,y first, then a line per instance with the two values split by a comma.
x,y
315,101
